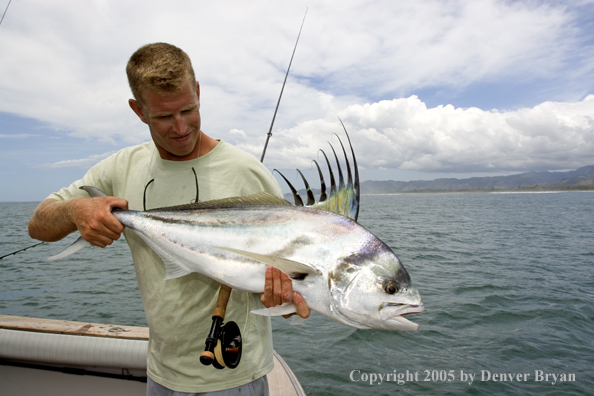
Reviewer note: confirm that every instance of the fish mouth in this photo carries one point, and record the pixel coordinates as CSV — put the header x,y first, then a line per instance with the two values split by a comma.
x,y
394,312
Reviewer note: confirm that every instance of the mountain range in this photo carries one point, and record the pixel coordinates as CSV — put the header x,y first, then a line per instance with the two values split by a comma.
x,y
582,178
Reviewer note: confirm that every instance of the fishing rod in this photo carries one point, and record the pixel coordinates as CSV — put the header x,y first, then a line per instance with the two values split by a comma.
x,y
282,89
10,254
223,343
40,243
1,20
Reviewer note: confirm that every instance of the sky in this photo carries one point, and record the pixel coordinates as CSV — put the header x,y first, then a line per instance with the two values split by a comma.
x,y
426,89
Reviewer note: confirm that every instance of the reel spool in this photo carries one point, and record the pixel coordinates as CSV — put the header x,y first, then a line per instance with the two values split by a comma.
x,y
223,344
228,349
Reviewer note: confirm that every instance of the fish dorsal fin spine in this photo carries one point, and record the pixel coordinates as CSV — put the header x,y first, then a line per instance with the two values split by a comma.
x,y
342,199
262,198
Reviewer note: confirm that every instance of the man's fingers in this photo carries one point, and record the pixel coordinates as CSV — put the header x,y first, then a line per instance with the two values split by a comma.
x,y
100,238
287,288
301,305
102,230
107,218
112,228
266,297
119,203
277,287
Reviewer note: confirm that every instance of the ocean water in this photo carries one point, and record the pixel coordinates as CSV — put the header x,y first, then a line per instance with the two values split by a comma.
x,y
507,281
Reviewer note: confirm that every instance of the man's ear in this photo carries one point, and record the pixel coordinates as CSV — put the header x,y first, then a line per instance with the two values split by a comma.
x,y
136,108
198,90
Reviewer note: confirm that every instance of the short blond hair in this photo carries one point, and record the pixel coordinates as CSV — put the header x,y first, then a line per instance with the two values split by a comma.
x,y
159,67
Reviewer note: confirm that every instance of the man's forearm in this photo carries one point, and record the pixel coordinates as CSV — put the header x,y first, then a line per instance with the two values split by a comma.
x,y
92,217
52,220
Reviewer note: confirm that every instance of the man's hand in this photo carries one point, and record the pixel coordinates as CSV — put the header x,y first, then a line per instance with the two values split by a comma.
x,y
278,290
54,219
94,220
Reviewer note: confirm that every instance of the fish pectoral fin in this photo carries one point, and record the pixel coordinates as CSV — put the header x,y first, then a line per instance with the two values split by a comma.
x,y
173,268
75,247
294,269
284,309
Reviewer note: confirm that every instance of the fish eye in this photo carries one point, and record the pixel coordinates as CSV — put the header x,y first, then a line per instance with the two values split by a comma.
x,y
391,288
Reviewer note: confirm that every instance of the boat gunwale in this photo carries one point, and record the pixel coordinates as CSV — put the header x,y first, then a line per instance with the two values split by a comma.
x,y
54,326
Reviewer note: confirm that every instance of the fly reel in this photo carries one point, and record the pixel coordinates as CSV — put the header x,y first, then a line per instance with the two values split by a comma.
x,y
223,344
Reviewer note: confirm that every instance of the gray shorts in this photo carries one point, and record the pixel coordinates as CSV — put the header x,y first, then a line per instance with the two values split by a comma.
x,y
258,387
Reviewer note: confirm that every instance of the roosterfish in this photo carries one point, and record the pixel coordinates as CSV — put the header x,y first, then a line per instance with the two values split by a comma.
x,y
342,270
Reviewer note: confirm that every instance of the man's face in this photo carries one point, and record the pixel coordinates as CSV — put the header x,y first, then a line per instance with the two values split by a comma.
x,y
173,120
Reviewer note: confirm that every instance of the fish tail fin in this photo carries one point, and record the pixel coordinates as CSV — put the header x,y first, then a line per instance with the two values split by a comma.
x,y
94,192
79,244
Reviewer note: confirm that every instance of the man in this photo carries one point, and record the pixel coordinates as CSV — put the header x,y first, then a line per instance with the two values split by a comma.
x,y
178,165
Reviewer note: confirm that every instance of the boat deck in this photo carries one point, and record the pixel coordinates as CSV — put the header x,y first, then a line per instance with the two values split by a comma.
x,y
72,358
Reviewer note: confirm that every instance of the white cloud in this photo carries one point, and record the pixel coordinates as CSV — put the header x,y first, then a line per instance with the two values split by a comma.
x,y
405,134
17,136
82,163
394,46
63,64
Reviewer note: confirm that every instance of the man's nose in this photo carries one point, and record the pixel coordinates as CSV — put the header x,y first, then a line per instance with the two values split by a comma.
x,y
179,126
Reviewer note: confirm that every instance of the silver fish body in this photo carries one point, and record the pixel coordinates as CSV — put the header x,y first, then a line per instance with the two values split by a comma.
x,y
342,270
